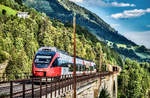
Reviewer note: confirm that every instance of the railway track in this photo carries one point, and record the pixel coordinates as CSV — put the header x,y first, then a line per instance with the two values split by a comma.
x,y
17,87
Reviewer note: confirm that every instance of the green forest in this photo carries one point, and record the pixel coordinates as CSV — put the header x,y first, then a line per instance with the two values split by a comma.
x,y
20,38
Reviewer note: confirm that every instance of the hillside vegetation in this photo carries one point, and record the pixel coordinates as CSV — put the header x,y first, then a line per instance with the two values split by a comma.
x,y
133,81
20,38
139,53
8,10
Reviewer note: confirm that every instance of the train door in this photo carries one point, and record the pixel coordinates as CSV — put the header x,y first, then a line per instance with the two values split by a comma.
x,y
64,69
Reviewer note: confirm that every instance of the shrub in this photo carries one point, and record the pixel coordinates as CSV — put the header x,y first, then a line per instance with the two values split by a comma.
x,y
3,56
4,11
104,93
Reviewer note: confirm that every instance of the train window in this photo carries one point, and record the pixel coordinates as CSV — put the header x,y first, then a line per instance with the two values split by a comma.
x,y
80,67
87,69
94,66
77,67
55,63
70,67
91,68
42,60
83,68
64,65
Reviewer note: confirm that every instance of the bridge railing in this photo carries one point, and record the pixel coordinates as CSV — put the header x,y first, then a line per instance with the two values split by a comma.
x,y
46,86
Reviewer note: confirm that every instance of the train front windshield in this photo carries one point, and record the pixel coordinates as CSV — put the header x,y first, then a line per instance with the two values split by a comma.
x,y
43,60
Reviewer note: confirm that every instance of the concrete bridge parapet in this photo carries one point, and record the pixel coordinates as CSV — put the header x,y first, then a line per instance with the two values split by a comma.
x,y
92,88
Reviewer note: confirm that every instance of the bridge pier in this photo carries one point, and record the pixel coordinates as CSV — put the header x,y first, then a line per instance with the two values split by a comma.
x,y
110,83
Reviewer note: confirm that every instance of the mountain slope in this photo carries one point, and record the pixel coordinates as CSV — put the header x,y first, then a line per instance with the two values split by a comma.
x,y
64,11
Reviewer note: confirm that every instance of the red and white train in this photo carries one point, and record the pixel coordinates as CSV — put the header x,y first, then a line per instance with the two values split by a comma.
x,y
51,62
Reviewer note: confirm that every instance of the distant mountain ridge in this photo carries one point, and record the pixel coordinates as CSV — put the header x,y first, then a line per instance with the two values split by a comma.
x,y
64,11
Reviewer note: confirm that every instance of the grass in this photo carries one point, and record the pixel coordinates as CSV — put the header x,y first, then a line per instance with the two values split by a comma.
x,y
4,95
9,11
122,45
109,43
143,55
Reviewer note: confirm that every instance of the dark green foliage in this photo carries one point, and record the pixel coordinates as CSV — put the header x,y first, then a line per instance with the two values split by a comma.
x,y
128,53
3,56
19,1
104,93
143,49
2,1
3,11
134,80
4,95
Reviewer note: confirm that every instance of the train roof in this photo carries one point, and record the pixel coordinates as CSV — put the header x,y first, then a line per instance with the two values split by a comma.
x,y
47,49
59,51
52,49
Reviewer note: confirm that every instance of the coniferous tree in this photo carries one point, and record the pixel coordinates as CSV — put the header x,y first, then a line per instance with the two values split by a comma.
x,y
19,1
104,93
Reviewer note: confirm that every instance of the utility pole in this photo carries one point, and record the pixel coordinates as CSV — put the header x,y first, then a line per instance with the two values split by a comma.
x,y
100,64
74,45
101,60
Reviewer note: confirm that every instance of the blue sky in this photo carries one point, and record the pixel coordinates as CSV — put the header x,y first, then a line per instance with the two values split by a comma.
x,y
130,17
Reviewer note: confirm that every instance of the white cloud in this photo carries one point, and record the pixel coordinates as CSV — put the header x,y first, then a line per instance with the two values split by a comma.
x,y
104,3
116,4
115,25
148,26
141,38
76,0
131,13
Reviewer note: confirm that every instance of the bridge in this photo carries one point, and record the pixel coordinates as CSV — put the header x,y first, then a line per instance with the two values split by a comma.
x,y
88,86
